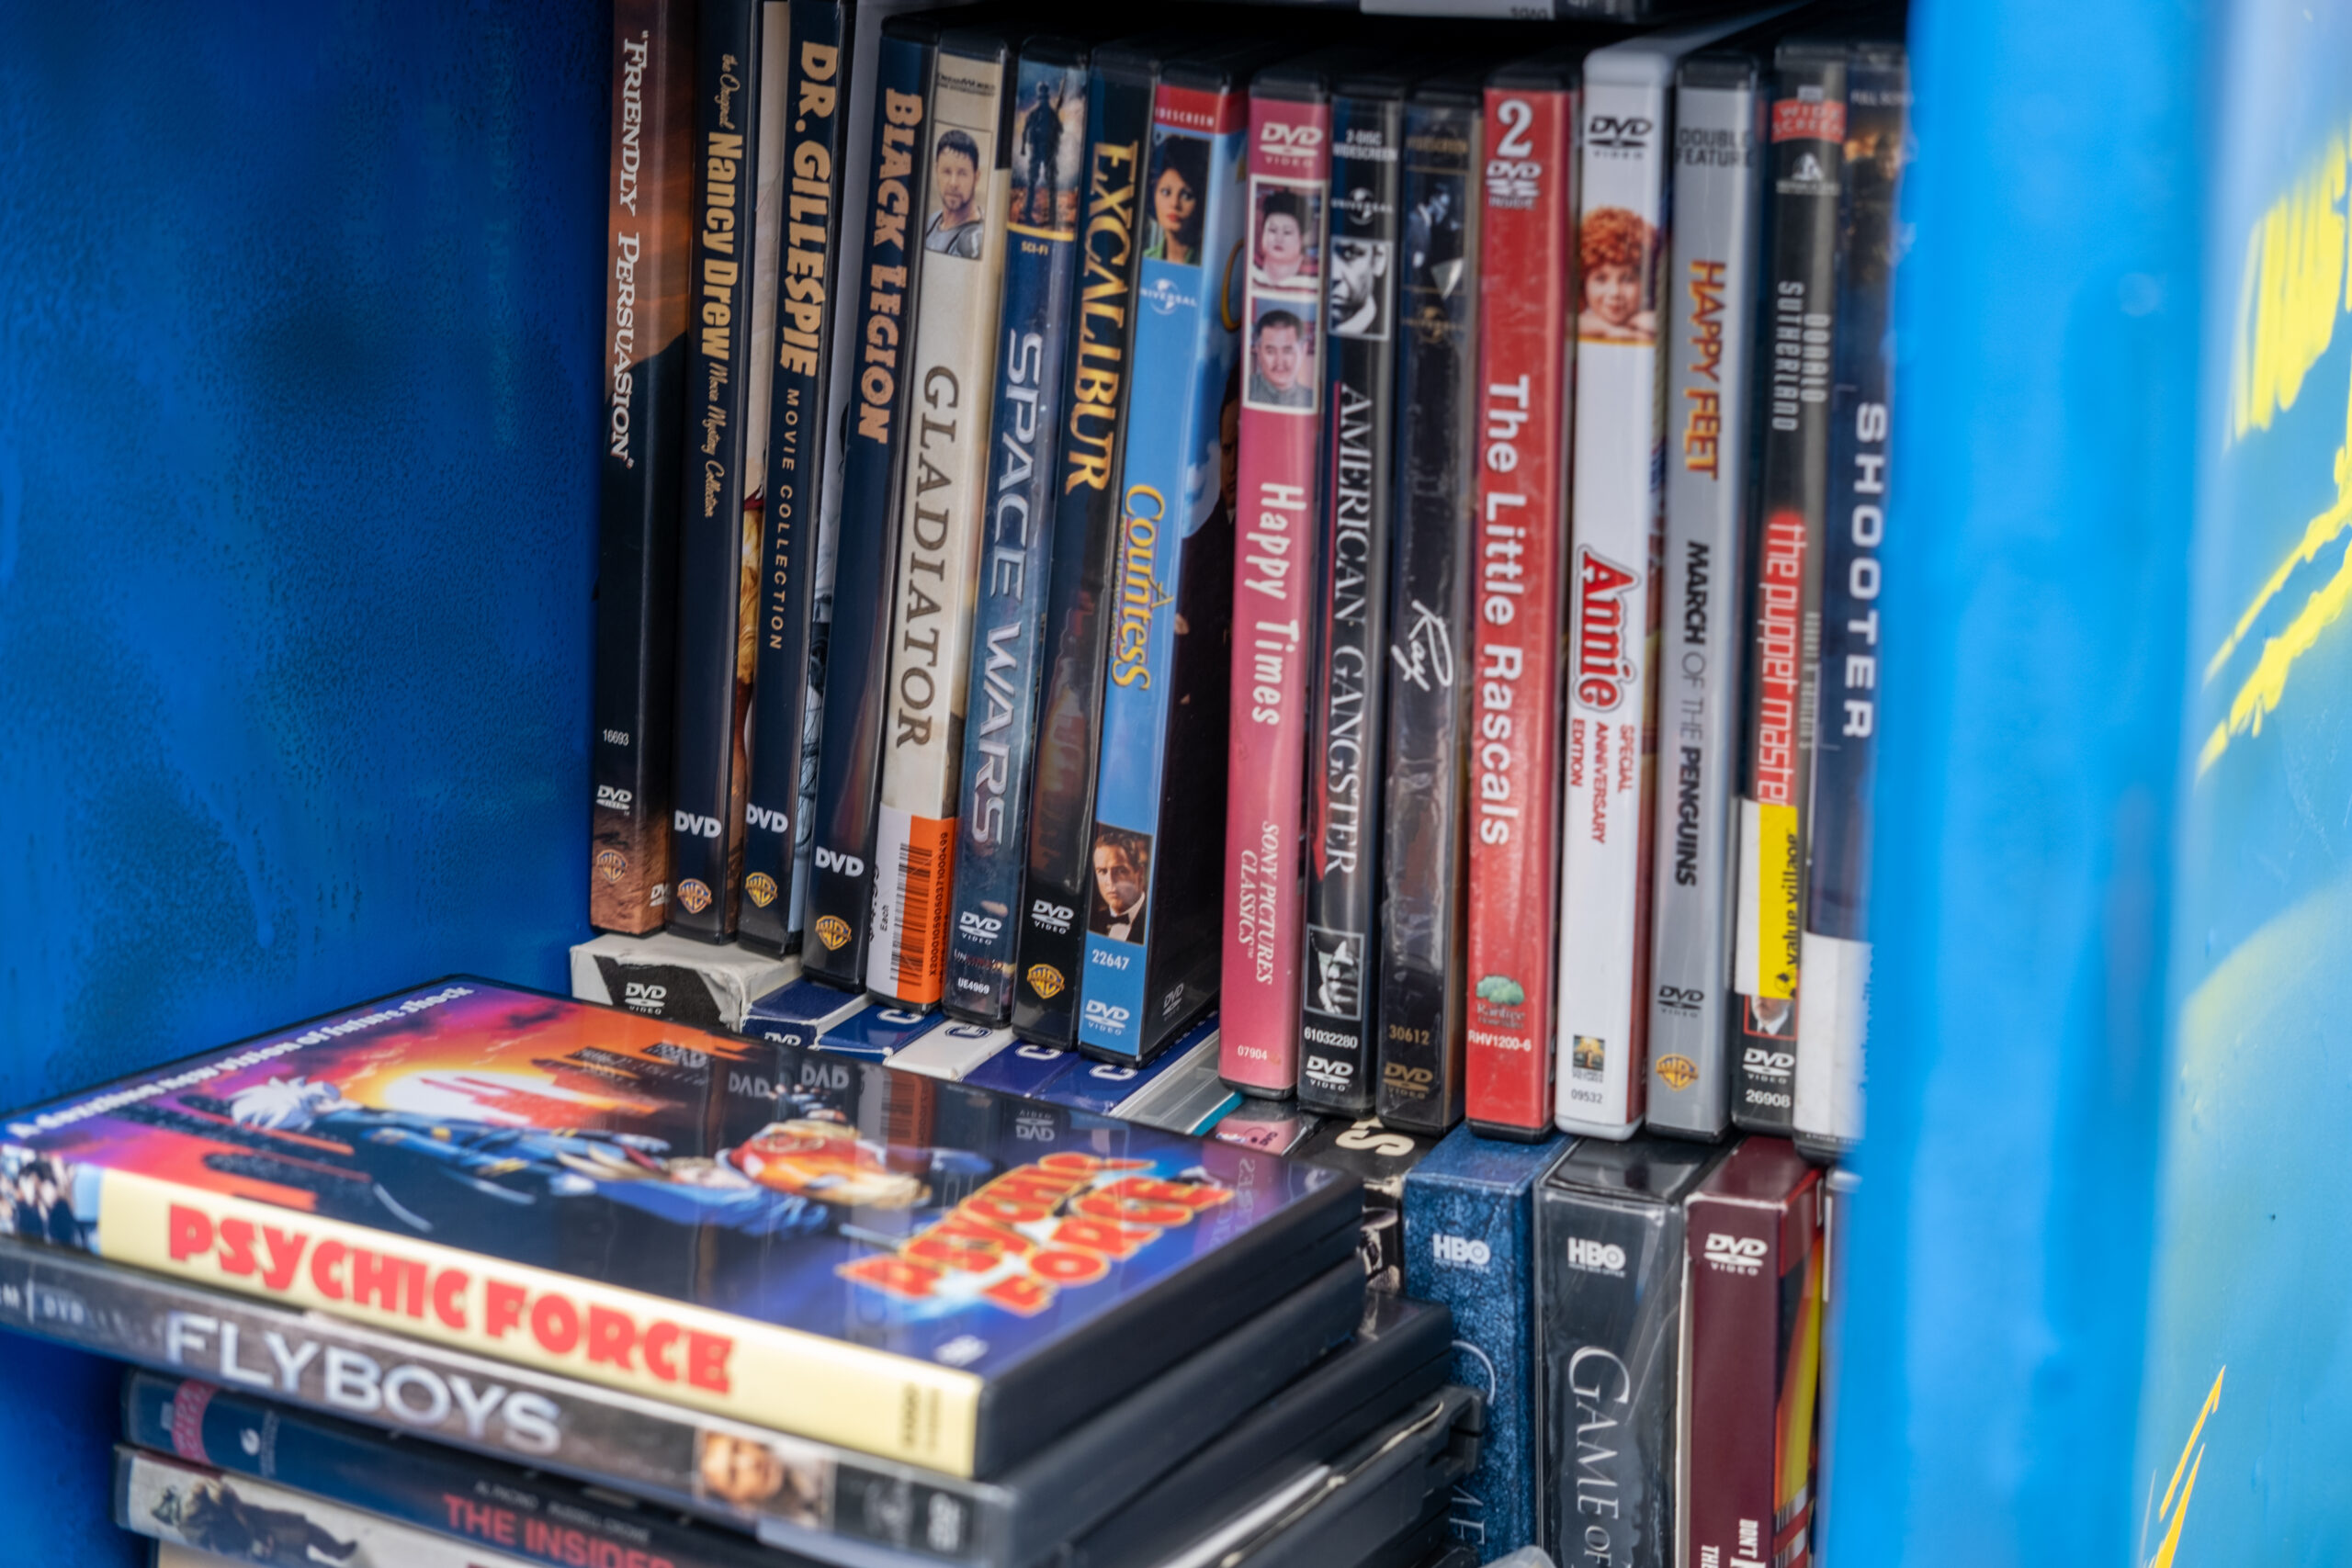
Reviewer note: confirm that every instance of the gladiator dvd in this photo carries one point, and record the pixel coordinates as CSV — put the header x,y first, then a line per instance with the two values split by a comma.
x,y
742,1228
1058,879
1339,991
796,566
1836,951
1520,591
1470,1245
1807,129
1609,1236
1752,1361
1153,917
1048,147
1380,1158
743,67
826,1504
857,652
190,1507
1277,543
650,251
1709,302
1424,853
942,498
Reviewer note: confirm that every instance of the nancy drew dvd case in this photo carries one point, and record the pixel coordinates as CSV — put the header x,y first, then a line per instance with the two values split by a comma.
x,y
761,1231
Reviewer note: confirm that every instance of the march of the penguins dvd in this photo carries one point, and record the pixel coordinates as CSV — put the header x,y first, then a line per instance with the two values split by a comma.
x,y
1340,989
1836,952
1794,337
1424,852
1710,306
1152,920
1058,884
1048,144
795,571
943,498
742,65
649,242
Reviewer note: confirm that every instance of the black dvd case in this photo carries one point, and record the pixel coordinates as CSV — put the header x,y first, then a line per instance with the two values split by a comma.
x,y
1347,698
1380,1158
1423,861
849,763
795,562
1609,1239
1795,358
1050,937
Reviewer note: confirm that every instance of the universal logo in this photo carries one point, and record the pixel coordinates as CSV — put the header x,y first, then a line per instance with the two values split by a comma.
x,y
1734,1254
1164,297
1362,205
1611,134
1596,1257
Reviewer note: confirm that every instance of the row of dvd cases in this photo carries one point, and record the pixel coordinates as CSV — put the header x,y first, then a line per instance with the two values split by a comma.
x,y
1450,481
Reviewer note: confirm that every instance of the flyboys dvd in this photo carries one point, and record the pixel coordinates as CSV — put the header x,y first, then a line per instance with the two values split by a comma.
x,y
942,501
650,253
741,69
1709,303
1424,853
1048,141
1808,133
1753,1358
1625,158
1520,590
734,1226
1339,990
1059,880
795,567
1152,919
1836,951
849,765
1276,540
1609,1234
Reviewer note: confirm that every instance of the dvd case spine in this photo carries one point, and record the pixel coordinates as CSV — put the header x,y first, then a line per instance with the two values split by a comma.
x,y
1339,990
1518,641
795,588
1152,925
1794,338
1057,887
1710,302
1048,148
1612,734
743,64
1276,540
1754,1363
942,498
1424,856
849,765
650,246
187,1509
1836,951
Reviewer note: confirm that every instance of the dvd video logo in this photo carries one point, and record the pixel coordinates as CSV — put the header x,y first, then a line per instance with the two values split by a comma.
x,y
1460,1251
762,819
1055,917
1108,1017
1278,139
1603,668
972,923
699,826
1609,131
1736,1254
834,860
1596,1257
614,799
643,996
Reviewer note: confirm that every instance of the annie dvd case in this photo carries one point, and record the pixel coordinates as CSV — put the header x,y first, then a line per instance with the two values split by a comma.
x,y
767,1233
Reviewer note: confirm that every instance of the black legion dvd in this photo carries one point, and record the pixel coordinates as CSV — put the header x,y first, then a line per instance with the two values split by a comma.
x,y
650,252
796,560
1346,764
741,68
849,765
1794,339
1423,863
1058,880
1048,143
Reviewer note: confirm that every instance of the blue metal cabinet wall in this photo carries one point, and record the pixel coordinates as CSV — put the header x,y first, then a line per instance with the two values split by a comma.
x,y
300,311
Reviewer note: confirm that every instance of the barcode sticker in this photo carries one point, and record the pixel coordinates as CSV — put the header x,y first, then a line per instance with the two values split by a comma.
x,y
907,960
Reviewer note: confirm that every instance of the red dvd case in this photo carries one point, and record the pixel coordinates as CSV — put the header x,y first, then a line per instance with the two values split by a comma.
x,y
1519,593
